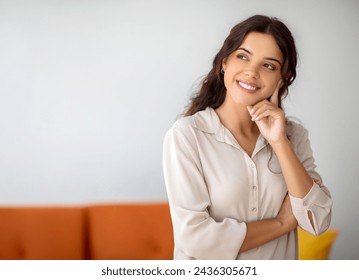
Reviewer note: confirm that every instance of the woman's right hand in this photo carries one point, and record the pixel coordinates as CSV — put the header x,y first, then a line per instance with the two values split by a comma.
x,y
285,215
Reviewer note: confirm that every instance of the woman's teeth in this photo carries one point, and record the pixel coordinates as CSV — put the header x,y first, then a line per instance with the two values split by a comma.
x,y
246,86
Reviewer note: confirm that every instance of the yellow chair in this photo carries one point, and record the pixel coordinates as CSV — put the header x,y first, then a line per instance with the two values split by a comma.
x,y
311,247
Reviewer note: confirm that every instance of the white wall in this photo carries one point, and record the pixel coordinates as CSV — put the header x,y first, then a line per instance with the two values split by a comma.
x,y
89,88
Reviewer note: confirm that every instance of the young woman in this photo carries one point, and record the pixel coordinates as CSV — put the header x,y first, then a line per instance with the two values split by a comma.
x,y
240,178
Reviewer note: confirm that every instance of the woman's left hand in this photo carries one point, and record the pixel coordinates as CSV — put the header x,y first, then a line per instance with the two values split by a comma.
x,y
269,118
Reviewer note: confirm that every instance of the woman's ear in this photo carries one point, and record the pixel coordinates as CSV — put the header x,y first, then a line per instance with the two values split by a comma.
x,y
224,62
281,83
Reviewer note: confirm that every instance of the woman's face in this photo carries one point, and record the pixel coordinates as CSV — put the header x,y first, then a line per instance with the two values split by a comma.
x,y
253,71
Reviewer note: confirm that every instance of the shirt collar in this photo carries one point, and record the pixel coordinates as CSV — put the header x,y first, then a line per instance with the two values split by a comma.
x,y
209,122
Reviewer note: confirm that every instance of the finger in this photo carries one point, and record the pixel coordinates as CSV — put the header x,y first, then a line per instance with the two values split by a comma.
x,y
275,97
269,112
265,114
258,109
253,109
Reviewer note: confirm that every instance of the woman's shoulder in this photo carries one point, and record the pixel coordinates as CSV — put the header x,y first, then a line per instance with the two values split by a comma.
x,y
183,124
296,130
181,130
202,120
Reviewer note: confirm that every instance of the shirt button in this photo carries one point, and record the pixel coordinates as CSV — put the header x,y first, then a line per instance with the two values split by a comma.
x,y
252,165
254,188
305,203
254,209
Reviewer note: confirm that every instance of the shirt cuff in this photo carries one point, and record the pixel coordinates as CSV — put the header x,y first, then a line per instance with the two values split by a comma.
x,y
314,196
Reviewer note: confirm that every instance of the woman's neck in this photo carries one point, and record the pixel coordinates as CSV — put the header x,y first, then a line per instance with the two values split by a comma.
x,y
237,120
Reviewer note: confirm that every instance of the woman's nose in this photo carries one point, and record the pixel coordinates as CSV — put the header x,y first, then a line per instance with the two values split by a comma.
x,y
251,71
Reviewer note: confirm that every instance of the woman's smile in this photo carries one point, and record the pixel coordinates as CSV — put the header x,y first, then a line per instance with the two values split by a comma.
x,y
248,87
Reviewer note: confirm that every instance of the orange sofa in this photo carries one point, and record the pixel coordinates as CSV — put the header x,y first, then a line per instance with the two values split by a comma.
x,y
99,232
127,231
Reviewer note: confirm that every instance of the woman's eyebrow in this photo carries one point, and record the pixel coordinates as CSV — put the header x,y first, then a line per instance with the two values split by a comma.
x,y
247,51
266,58
273,59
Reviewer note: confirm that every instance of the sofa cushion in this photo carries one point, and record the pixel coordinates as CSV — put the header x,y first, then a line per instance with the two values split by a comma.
x,y
130,231
42,233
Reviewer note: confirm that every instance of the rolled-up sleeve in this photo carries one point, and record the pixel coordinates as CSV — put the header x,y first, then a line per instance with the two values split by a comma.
x,y
197,235
318,200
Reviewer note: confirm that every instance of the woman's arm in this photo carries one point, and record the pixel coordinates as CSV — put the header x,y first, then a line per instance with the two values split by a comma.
x,y
311,201
296,177
271,122
261,232
313,209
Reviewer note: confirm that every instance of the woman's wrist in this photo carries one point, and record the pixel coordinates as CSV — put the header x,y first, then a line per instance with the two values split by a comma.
x,y
287,225
280,144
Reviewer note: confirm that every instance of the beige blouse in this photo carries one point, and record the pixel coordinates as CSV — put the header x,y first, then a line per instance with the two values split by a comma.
x,y
214,188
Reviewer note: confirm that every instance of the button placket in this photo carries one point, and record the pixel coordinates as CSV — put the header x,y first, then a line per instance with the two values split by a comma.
x,y
253,206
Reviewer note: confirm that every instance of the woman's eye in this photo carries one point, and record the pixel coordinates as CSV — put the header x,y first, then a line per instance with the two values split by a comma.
x,y
269,66
241,56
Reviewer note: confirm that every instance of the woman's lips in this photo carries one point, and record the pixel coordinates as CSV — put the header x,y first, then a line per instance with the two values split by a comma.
x,y
248,87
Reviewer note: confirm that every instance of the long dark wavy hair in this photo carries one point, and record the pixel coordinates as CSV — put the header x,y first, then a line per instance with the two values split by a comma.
x,y
212,90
